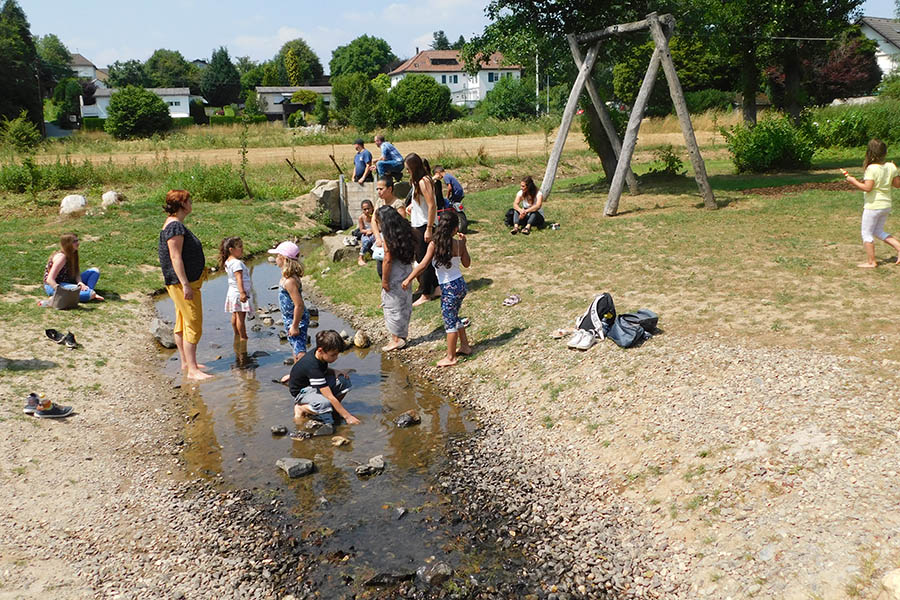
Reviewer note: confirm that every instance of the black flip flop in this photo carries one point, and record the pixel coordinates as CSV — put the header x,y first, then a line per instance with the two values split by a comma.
x,y
54,335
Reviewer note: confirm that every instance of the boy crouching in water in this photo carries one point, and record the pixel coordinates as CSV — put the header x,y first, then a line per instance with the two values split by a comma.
x,y
317,389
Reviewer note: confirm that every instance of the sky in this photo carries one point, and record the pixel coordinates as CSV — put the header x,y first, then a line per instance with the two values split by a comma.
x,y
105,31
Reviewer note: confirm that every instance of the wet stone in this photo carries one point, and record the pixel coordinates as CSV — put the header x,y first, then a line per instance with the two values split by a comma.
x,y
408,419
279,430
435,574
259,354
339,441
295,467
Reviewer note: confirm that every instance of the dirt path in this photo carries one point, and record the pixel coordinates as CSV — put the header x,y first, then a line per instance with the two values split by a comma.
x,y
497,146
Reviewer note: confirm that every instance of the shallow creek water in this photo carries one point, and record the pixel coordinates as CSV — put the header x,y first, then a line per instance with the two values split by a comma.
x,y
229,435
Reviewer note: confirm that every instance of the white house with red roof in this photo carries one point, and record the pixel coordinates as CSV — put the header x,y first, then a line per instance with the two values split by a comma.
x,y
447,69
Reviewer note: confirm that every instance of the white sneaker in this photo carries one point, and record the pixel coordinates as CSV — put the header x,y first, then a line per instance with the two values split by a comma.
x,y
587,340
575,339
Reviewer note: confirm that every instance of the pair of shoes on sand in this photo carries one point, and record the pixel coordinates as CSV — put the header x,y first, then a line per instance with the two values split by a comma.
x,y
67,340
583,339
45,409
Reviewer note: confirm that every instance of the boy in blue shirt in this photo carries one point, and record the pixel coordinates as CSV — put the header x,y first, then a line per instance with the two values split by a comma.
x,y
361,161
391,160
454,188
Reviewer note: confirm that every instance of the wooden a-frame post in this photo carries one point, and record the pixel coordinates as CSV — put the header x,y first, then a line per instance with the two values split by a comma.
x,y
661,28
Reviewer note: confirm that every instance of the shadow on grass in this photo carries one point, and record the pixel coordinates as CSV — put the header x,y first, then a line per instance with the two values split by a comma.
x,y
29,364
498,340
477,284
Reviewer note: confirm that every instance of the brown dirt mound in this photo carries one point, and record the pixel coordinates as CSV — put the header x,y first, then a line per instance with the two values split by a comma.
x,y
831,186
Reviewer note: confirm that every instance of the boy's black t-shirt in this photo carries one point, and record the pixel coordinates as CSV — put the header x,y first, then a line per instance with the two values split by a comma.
x,y
309,371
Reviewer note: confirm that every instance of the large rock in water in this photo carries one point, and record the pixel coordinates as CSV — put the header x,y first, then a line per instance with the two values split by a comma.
x,y
335,248
327,196
72,204
162,331
296,467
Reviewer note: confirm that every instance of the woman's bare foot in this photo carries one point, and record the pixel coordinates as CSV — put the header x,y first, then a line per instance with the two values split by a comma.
x,y
394,345
198,375
361,261
285,378
422,300
446,362
99,298
467,351
866,265
898,260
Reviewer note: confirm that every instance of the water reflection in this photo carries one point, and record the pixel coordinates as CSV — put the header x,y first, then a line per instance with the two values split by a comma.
x,y
230,434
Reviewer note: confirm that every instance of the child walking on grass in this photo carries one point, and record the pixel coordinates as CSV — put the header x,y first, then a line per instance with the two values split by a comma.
x,y
290,298
876,185
447,251
237,301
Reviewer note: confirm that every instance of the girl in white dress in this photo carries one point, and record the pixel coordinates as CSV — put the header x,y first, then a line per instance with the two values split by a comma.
x,y
237,299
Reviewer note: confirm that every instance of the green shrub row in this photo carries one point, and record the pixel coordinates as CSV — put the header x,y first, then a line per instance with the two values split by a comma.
x,y
231,120
92,123
851,126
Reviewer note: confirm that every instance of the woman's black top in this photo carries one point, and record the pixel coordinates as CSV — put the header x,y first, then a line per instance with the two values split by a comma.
x,y
191,253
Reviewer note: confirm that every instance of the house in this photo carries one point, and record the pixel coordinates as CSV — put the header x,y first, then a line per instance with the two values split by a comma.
x,y
887,33
199,63
446,68
273,98
177,99
84,69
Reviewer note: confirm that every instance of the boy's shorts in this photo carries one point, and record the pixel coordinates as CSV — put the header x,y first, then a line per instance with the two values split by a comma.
x,y
321,405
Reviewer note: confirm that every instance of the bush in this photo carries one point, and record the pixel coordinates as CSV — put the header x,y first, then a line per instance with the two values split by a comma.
x,y
14,178
358,102
20,134
296,119
136,112
209,184
198,114
226,120
511,98
854,125
320,113
890,87
93,124
418,98
704,100
304,97
773,143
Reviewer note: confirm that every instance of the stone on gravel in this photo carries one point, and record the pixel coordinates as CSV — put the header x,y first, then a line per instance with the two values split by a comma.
x,y
435,574
361,340
388,579
408,419
295,467
373,467
891,583
72,204
162,331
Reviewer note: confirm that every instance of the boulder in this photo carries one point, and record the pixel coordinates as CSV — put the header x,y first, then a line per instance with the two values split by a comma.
x,y
434,574
327,197
361,340
163,332
337,250
111,198
373,467
408,419
72,204
401,190
296,467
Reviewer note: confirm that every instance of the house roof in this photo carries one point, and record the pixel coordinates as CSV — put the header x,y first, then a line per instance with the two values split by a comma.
x,y
431,61
102,74
290,89
80,61
183,91
889,29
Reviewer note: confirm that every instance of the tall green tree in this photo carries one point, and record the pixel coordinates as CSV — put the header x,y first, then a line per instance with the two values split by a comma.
x,y
19,67
128,72
458,44
366,54
220,83
54,62
305,65
168,69
440,41
244,64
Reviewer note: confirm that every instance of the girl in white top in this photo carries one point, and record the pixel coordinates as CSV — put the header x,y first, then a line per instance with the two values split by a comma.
x,y
876,184
423,215
237,300
446,254
528,207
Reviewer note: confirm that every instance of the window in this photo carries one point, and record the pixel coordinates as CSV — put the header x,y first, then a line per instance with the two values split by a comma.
x,y
443,79
455,79
490,78
174,102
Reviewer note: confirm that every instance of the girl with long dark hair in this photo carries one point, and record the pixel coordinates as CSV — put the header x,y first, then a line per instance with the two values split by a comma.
x,y
528,207
399,254
423,215
63,270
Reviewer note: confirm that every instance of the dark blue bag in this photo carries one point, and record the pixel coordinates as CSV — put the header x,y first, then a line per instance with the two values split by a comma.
x,y
630,329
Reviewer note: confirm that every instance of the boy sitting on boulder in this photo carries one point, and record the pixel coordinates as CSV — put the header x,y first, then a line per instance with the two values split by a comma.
x,y
316,388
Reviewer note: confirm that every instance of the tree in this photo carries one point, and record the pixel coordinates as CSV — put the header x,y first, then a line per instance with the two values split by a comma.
x,y
19,67
418,98
440,41
129,72
169,69
357,101
136,112
511,98
366,54
459,43
243,64
271,75
54,61
20,133
220,83
305,65
320,112
65,97
250,79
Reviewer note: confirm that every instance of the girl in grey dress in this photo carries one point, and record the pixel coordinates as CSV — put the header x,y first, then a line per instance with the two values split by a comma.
x,y
399,253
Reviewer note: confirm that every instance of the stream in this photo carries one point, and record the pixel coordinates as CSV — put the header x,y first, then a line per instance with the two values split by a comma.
x,y
391,523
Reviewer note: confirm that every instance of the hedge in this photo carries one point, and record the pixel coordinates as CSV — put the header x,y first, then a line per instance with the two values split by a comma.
x,y
225,120
92,123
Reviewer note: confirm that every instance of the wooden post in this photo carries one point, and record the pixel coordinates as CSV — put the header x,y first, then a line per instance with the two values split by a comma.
x,y
568,115
631,131
605,119
684,118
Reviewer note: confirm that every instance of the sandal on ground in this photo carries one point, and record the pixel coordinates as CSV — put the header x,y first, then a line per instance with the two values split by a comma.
x,y
526,231
558,334
514,230
512,300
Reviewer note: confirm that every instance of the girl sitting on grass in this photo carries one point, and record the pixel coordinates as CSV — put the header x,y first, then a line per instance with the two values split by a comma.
x,y
237,301
62,270
446,254
876,185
